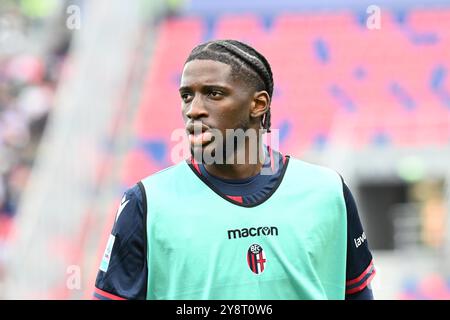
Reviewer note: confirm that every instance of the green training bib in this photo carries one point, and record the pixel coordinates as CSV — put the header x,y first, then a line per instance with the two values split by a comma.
x,y
203,246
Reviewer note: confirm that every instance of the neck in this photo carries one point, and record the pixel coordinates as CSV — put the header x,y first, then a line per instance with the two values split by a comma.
x,y
238,170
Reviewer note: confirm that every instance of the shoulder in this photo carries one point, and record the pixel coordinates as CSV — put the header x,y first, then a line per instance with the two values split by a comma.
x,y
315,176
165,173
312,168
129,212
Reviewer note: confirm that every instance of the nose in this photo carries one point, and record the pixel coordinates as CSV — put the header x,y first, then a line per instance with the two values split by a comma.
x,y
196,108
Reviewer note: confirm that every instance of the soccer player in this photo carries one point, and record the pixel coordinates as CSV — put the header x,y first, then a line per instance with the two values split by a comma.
x,y
276,228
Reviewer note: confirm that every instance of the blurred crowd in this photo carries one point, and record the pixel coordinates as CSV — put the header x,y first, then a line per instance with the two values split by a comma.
x,y
30,66
26,95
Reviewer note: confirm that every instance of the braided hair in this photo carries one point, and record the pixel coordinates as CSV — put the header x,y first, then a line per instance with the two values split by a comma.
x,y
246,63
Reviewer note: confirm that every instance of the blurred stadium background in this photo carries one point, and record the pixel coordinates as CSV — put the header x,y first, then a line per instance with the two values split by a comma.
x,y
88,102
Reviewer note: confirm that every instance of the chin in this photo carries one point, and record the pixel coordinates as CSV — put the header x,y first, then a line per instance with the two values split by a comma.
x,y
199,151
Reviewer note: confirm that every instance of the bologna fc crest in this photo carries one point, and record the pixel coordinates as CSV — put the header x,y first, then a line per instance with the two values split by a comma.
x,y
256,258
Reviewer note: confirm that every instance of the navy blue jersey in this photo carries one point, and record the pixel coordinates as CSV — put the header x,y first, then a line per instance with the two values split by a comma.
x,y
123,273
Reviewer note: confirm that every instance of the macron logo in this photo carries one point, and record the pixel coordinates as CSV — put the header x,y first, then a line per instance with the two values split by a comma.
x,y
123,204
252,232
360,240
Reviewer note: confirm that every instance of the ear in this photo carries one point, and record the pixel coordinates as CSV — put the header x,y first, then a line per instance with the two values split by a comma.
x,y
260,105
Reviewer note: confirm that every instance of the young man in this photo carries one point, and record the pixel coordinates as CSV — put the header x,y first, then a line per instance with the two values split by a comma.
x,y
276,228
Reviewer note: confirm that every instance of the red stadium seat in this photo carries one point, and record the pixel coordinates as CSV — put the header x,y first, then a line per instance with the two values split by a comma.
x,y
379,81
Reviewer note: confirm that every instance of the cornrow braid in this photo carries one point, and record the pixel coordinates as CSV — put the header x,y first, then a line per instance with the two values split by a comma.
x,y
245,62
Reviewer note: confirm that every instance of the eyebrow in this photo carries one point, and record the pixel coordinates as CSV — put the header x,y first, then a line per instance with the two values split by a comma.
x,y
207,86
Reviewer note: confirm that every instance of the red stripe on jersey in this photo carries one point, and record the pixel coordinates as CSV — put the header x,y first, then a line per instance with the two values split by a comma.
x,y
361,276
195,165
108,295
236,198
362,285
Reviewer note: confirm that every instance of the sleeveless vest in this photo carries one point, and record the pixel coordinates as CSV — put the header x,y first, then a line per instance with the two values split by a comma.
x,y
201,245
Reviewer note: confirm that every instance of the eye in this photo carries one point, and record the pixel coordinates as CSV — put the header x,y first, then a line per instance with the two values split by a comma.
x,y
185,96
215,94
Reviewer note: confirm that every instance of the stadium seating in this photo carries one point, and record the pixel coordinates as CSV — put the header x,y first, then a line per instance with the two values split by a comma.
x,y
385,87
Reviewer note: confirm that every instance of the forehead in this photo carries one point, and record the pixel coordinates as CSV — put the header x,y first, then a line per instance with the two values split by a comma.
x,y
203,72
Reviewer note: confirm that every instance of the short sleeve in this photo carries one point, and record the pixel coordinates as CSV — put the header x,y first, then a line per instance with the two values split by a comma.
x,y
123,269
360,268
